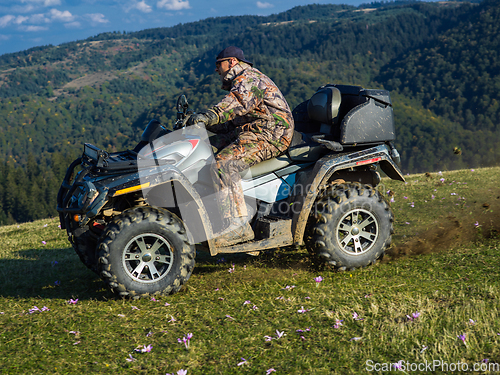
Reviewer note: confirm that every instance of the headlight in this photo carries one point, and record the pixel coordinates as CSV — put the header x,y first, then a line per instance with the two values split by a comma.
x,y
88,194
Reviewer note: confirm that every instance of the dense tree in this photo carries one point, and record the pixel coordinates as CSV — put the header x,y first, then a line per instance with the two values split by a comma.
x,y
440,61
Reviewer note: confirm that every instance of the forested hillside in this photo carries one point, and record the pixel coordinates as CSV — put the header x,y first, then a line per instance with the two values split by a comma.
x,y
440,61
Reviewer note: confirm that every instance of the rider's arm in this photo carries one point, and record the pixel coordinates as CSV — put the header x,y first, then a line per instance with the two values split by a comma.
x,y
244,97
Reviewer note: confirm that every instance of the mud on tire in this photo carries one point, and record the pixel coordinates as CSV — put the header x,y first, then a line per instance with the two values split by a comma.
x,y
145,251
350,226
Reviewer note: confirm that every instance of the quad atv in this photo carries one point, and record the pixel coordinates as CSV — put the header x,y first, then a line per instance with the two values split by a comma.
x,y
137,217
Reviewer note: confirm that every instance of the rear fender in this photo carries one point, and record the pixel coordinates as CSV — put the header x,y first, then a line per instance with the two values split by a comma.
x,y
322,173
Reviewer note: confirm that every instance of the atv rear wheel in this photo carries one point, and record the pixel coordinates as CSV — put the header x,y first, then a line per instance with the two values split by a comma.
x,y
145,251
350,226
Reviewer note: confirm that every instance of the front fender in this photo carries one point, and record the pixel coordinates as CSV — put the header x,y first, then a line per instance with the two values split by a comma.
x,y
170,183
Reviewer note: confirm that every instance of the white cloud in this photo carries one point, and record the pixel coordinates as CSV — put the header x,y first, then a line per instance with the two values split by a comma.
x,y
143,7
38,18
23,9
64,16
6,20
173,4
45,3
73,25
97,18
35,28
264,5
20,19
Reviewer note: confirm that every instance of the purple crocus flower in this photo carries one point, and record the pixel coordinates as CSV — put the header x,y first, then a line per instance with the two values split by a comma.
x,y
355,316
462,337
280,334
413,316
243,361
303,330
397,365
185,340
144,349
318,279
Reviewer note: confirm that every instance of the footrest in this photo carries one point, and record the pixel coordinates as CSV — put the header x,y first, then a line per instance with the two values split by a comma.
x,y
269,227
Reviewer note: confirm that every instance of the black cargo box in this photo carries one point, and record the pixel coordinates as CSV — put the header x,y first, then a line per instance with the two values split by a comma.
x,y
358,115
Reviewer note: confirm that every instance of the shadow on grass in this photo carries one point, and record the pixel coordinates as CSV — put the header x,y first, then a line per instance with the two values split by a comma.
x,y
287,258
49,273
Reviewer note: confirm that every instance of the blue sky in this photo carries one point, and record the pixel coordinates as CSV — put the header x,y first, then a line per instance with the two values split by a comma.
x,y
30,23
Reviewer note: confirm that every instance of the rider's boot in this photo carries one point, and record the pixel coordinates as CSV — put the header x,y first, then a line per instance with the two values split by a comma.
x,y
239,230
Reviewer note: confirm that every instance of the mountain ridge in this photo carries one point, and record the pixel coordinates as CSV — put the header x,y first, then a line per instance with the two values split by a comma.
x,y
103,90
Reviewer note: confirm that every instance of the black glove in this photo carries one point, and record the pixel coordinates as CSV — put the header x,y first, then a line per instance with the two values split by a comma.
x,y
208,117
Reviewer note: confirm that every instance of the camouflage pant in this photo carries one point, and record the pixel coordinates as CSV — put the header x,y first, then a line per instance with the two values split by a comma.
x,y
237,152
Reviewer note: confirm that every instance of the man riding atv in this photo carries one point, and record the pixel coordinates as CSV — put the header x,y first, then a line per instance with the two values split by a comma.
x,y
138,217
253,123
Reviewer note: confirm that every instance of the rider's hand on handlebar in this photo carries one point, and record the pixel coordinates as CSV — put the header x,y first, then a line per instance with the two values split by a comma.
x,y
208,117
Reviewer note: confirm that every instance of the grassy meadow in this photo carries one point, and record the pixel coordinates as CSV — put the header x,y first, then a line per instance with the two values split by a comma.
x,y
433,301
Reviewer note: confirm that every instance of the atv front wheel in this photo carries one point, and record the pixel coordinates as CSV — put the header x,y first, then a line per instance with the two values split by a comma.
x,y
145,251
86,248
350,226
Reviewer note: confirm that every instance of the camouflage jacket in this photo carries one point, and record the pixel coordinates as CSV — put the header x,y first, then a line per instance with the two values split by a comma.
x,y
254,104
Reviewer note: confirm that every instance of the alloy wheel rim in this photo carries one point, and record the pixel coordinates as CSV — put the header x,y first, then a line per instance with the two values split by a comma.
x,y
357,231
147,258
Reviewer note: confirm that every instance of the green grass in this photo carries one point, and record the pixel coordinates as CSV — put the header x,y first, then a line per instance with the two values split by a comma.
x,y
442,265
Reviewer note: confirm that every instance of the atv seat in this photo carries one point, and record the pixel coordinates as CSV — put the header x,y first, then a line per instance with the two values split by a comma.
x,y
323,107
267,166
302,149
